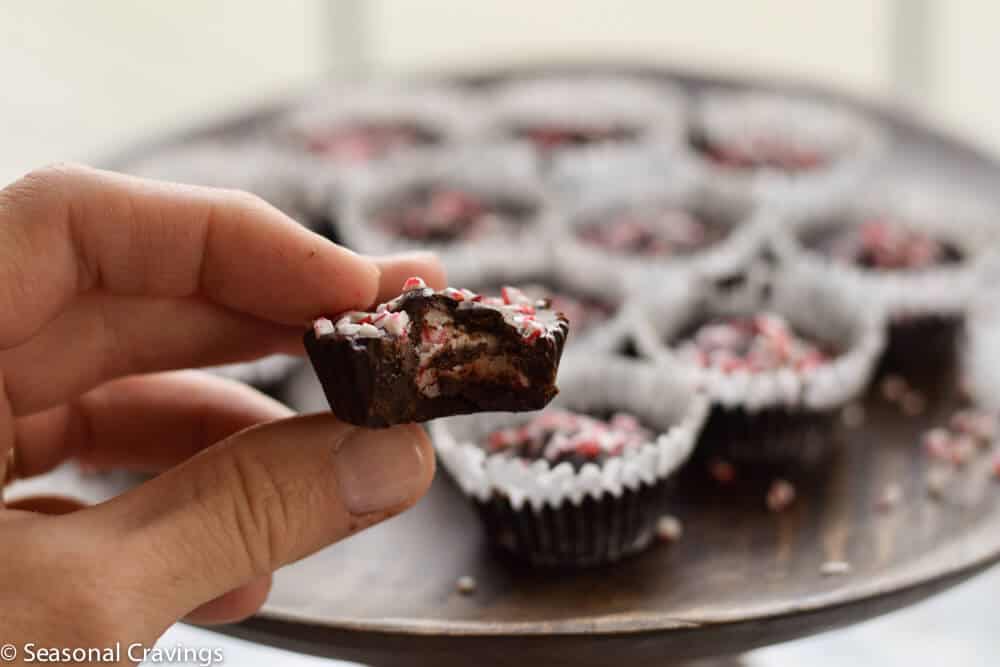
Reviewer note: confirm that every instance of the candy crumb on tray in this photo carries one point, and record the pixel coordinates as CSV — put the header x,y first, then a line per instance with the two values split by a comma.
x,y
428,354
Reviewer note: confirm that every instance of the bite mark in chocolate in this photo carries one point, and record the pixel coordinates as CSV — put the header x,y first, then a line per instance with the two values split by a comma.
x,y
428,354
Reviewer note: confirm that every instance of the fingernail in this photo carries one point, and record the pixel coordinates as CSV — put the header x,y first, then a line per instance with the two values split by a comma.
x,y
379,470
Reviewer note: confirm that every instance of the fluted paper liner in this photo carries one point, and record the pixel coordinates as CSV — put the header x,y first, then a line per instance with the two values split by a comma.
x,y
655,110
670,406
813,308
856,142
747,230
557,516
502,173
948,215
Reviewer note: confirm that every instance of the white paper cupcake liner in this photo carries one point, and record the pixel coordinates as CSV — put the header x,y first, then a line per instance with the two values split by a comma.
x,y
655,111
664,403
967,222
857,144
256,167
499,172
813,309
444,112
981,351
593,176
748,231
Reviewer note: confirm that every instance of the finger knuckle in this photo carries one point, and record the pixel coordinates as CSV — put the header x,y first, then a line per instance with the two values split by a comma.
x,y
259,514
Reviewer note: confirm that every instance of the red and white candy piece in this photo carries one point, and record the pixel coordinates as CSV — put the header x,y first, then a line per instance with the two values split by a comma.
x,y
323,327
414,283
780,496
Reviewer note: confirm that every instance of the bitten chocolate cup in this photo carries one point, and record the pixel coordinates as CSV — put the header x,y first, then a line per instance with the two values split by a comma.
x,y
571,515
428,354
914,248
779,413
781,149
479,210
563,118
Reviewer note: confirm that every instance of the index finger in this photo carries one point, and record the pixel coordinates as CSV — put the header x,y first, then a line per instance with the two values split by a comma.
x,y
66,230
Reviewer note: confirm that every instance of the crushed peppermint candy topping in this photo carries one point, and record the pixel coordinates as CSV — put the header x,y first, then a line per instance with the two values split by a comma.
x,y
758,151
558,435
888,244
968,430
583,310
722,471
361,142
669,528
780,495
414,283
323,327
765,342
652,231
388,319
551,137
445,214
466,585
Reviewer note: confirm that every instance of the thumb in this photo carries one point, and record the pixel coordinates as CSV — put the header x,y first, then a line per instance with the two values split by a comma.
x,y
258,500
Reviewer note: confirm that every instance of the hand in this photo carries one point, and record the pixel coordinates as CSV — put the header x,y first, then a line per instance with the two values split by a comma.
x,y
105,282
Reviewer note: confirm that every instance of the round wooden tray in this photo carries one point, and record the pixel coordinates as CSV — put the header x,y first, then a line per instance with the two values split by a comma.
x,y
742,577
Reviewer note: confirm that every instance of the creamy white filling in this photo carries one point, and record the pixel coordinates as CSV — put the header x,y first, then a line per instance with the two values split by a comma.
x,y
440,336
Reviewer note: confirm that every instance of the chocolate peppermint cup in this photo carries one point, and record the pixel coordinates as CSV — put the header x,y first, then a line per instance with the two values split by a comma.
x,y
480,212
777,147
777,367
583,482
354,126
643,233
446,213
564,114
917,251
428,354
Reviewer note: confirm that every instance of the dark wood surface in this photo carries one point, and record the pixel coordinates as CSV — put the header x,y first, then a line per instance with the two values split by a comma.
x,y
742,577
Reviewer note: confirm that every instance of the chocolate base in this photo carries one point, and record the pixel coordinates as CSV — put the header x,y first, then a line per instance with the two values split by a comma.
x,y
593,533
372,382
